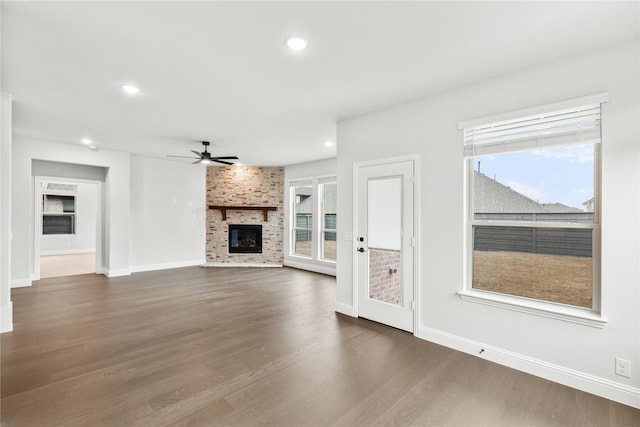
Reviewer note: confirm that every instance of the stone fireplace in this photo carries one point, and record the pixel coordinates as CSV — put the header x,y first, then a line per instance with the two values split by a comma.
x,y
245,201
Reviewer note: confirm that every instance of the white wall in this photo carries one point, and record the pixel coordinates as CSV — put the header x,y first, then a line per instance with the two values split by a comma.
x,y
311,171
167,214
577,355
153,209
84,239
6,315
115,203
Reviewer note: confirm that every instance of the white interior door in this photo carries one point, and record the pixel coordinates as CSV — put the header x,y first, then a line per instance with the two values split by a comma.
x,y
385,243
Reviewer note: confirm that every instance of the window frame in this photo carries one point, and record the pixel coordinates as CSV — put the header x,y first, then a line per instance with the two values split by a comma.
x,y
321,225
586,316
72,215
293,223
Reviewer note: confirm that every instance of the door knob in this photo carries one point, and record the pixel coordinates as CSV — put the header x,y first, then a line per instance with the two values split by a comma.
x,y
360,249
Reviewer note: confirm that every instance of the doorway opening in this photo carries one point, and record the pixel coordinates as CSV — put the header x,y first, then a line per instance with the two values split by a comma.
x,y
67,227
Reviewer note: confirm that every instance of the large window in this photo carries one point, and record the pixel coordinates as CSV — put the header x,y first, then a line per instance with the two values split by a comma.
x,y
302,230
533,187
329,223
313,223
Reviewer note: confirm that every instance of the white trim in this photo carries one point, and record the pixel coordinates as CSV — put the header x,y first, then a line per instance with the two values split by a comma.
x,y
166,265
354,240
116,273
20,283
243,264
6,318
68,252
345,309
416,243
329,268
562,312
597,98
603,387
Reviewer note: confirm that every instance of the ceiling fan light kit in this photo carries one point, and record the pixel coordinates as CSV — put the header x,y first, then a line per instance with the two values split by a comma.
x,y
205,157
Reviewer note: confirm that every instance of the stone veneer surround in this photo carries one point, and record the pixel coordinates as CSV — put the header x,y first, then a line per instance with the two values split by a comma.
x,y
245,186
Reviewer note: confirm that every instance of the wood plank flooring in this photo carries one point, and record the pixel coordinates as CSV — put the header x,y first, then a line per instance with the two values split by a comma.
x,y
243,347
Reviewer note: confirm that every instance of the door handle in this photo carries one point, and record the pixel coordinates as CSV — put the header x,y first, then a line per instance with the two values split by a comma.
x,y
360,249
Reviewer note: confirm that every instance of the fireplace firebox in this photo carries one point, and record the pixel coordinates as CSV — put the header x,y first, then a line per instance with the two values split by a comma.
x,y
245,239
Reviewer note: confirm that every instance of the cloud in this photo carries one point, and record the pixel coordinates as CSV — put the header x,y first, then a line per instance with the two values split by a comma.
x,y
527,190
574,153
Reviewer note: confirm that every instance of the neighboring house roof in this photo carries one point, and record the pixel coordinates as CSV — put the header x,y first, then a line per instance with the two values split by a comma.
x,y
560,208
490,196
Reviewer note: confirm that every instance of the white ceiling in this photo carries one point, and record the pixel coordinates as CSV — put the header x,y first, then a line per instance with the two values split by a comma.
x,y
220,71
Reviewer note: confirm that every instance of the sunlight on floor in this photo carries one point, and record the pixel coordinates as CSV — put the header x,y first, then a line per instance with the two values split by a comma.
x,y
67,265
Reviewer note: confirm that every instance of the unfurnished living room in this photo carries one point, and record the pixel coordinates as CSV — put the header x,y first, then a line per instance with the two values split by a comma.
x,y
320,213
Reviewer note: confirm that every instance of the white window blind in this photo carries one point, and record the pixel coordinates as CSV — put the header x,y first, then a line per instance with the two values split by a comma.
x,y
327,180
300,183
569,126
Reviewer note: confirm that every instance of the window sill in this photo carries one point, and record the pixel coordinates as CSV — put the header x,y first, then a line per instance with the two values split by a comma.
x,y
577,315
297,256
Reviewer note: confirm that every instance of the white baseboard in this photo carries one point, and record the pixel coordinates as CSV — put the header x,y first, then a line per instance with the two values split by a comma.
x,y
591,384
166,265
248,264
68,252
6,318
116,273
346,309
309,266
20,283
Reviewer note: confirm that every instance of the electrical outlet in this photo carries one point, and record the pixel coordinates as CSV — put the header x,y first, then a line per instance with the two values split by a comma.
x,y
623,367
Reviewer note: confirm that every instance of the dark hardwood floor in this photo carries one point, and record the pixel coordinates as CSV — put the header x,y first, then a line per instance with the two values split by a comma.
x,y
236,346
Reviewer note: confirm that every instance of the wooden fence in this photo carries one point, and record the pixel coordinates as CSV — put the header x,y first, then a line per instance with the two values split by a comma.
x,y
551,241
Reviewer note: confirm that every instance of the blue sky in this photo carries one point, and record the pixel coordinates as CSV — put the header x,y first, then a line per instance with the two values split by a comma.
x,y
558,174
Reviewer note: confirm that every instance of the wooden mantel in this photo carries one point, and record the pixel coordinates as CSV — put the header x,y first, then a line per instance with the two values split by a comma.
x,y
265,210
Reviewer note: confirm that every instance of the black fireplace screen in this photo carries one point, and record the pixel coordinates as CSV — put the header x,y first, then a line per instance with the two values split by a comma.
x,y
245,239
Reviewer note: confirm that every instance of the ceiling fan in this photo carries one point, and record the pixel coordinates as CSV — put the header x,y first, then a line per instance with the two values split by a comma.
x,y
205,157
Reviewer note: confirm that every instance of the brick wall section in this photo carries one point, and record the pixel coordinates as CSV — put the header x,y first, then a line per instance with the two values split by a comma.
x,y
384,286
245,186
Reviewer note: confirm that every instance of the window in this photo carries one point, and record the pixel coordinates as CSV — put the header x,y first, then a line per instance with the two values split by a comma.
x,y
58,213
313,225
533,205
302,208
329,224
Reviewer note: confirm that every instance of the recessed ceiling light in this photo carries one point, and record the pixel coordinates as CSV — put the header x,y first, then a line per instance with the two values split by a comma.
x,y
93,147
328,143
87,141
130,89
297,44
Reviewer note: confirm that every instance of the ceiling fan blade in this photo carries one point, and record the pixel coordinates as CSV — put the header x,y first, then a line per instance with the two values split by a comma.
x,y
196,153
225,158
220,161
196,162
182,157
